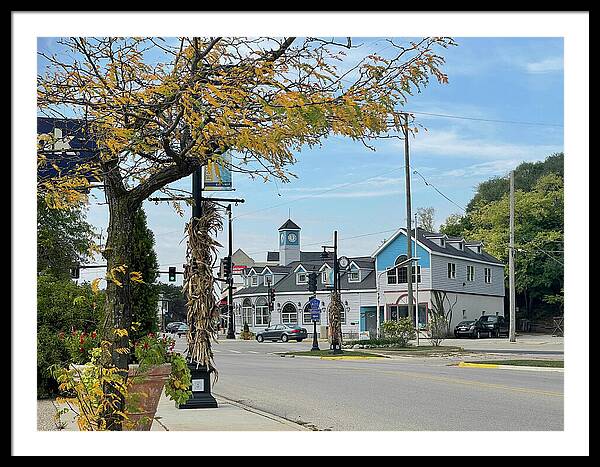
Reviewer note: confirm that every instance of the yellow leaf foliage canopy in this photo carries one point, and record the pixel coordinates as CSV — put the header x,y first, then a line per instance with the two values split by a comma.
x,y
159,108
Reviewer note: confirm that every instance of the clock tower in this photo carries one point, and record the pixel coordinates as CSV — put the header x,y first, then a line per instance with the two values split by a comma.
x,y
289,243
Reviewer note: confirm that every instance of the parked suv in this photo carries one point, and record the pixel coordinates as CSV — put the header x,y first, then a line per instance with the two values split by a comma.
x,y
285,332
492,326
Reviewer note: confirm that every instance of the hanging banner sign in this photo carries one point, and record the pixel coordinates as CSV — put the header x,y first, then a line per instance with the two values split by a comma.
x,y
65,144
217,174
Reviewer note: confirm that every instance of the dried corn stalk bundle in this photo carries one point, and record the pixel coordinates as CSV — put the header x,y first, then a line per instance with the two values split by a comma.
x,y
203,312
335,319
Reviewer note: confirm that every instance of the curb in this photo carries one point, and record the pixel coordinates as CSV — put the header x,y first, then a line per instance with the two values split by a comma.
x,y
508,367
276,418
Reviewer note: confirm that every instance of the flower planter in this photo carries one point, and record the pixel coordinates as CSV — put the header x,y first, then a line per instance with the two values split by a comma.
x,y
144,395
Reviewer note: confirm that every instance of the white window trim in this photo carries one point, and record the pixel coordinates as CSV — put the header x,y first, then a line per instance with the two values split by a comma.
x,y
254,280
452,271
268,279
298,281
470,277
354,272
487,274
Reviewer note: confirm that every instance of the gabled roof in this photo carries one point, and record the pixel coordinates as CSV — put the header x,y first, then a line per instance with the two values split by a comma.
x,y
424,241
289,225
288,283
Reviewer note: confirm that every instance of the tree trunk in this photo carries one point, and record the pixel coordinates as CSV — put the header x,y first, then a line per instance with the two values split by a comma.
x,y
118,254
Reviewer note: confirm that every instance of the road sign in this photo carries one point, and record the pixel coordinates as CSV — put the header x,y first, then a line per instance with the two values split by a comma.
x,y
315,310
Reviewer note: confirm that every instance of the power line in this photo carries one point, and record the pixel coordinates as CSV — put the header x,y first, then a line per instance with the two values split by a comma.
x,y
436,189
489,120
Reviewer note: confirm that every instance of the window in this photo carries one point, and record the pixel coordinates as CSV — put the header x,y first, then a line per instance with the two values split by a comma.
x,y
488,275
391,277
254,280
289,315
451,271
325,274
442,242
247,312
354,276
417,277
402,275
479,249
302,278
470,273
262,312
268,279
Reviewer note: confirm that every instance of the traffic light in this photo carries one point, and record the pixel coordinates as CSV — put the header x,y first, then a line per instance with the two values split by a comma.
x,y
227,266
312,282
74,272
271,299
172,274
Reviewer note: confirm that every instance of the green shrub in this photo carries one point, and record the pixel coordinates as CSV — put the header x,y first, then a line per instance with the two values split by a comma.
x,y
63,306
400,331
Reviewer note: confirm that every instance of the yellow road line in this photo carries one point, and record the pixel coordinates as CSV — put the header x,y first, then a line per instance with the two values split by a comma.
x,y
478,365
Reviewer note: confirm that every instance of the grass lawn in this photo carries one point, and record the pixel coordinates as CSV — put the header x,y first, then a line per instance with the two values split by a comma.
x,y
541,363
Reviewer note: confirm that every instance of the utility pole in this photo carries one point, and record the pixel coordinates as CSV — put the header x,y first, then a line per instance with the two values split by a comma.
x,y
511,260
230,323
416,267
408,215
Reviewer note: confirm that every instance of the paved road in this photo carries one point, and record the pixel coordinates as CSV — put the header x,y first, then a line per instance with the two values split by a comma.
x,y
391,394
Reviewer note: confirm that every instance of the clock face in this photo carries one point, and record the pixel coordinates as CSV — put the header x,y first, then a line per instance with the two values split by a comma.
x,y
344,262
292,237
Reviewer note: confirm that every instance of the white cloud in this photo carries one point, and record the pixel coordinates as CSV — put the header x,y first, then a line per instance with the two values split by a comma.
x,y
547,65
451,143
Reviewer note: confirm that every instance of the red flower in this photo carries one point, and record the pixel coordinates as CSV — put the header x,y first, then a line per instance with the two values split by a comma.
x,y
81,339
93,334
146,346
81,349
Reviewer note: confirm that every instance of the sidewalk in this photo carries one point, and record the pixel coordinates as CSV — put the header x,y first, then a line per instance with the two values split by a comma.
x,y
229,416
525,343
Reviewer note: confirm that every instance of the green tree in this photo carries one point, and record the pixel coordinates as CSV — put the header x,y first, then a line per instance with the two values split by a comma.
x,y
177,304
144,294
456,225
539,233
64,239
526,176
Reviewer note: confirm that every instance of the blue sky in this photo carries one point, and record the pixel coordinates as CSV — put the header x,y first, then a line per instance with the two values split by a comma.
x,y
347,187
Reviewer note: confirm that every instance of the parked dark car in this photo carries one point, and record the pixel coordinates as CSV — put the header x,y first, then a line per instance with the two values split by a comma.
x,y
283,332
182,330
485,326
172,327
465,329
492,326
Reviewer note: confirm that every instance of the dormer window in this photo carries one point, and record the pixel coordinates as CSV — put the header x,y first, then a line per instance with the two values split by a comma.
x,y
354,276
254,281
442,242
268,279
301,278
